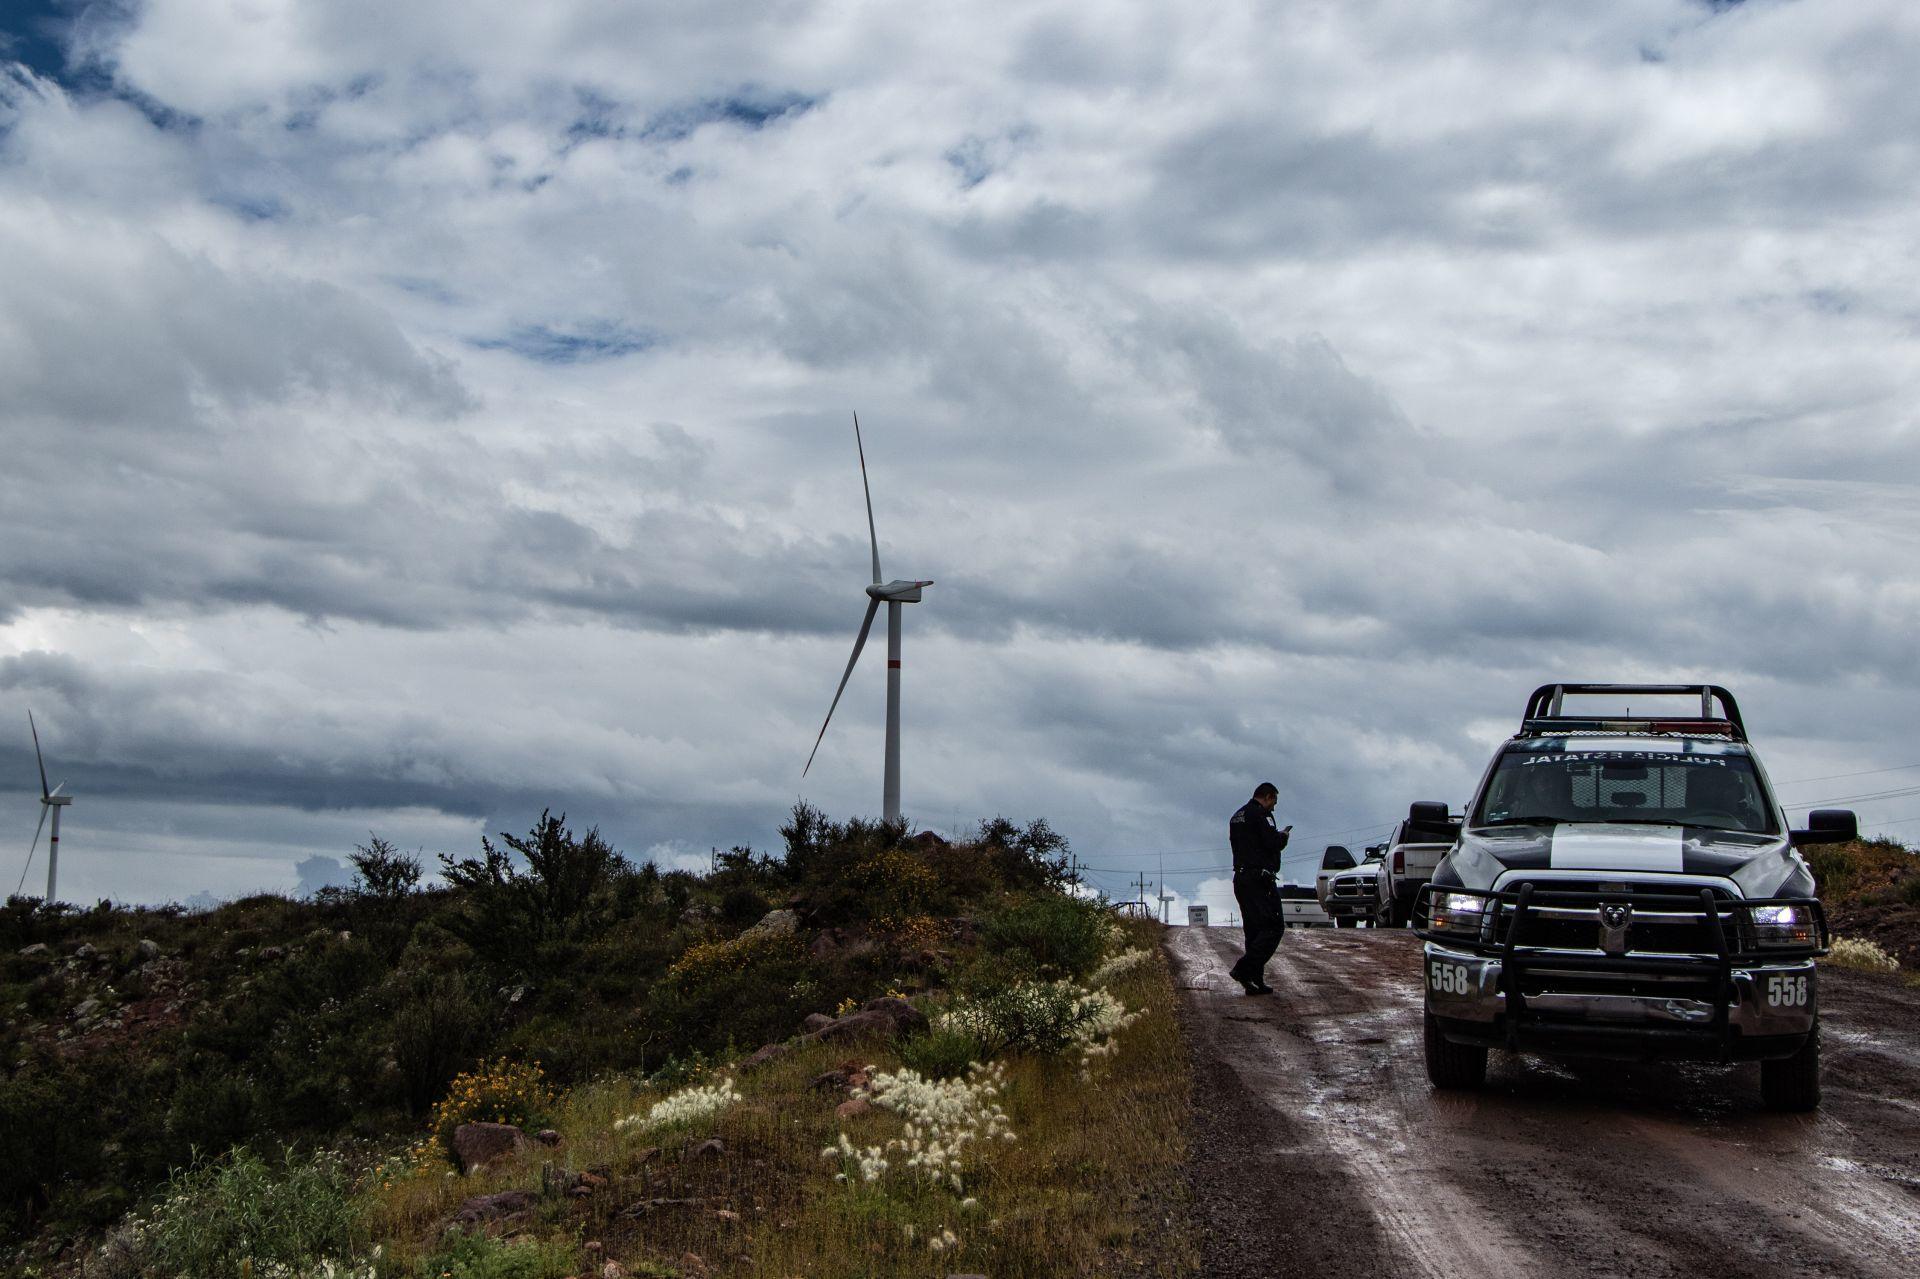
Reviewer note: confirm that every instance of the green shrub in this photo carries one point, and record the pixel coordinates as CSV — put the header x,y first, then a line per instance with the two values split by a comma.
x,y
477,1256
1042,1018
215,1217
1061,936
746,991
943,1052
437,1023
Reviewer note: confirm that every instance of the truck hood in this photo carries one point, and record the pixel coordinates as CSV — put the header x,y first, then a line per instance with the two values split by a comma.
x,y
1761,865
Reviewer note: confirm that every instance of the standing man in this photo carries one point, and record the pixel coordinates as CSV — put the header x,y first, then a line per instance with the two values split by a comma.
x,y
1256,863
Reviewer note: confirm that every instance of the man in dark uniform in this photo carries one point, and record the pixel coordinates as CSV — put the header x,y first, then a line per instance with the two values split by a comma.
x,y
1256,863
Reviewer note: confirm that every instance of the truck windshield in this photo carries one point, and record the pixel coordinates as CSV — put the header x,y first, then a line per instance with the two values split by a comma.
x,y
1545,788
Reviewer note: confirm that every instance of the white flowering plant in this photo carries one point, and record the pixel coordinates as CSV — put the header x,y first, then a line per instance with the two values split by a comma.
x,y
1043,1018
949,1124
689,1105
1124,962
1857,952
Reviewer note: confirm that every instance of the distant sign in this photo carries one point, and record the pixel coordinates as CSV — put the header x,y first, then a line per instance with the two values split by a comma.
x,y
1197,916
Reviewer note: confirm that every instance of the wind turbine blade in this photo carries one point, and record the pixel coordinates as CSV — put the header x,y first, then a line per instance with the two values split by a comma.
x,y
859,642
43,763
871,535
30,851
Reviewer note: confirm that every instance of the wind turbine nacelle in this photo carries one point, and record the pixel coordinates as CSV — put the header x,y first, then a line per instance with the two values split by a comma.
x,y
897,592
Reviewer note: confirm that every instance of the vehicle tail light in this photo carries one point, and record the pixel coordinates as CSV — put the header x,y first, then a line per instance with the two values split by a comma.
x,y
1399,861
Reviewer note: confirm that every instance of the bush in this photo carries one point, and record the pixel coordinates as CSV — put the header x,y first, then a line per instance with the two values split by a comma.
x,y
511,911
1060,936
382,870
746,991
1043,1018
215,1218
476,1256
1855,952
436,1023
500,1092
944,1052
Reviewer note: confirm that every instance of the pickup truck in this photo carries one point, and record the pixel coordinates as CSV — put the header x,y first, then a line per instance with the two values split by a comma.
x,y
1414,849
1628,886
1345,887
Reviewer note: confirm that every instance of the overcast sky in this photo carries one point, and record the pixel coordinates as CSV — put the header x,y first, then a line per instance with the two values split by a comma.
x,y
417,415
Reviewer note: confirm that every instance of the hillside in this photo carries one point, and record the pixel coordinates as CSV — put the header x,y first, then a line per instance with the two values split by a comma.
x,y
1871,889
277,1084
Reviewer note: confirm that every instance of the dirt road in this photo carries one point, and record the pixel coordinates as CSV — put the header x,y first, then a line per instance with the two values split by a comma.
x,y
1322,1150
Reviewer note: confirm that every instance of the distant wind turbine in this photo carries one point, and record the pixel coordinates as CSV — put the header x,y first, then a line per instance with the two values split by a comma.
x,y
49,799
893,594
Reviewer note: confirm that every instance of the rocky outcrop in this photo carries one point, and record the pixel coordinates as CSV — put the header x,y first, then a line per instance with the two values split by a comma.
x,y
495,1207
883,1018
775,923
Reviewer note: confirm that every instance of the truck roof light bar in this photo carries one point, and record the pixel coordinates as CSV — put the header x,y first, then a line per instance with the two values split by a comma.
x,y
1545,712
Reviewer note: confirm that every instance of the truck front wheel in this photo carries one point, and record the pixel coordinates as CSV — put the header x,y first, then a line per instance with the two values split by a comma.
x,y
1793,1083
1451,1065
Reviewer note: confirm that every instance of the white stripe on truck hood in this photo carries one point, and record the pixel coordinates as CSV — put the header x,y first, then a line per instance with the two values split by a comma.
x,y
1654,848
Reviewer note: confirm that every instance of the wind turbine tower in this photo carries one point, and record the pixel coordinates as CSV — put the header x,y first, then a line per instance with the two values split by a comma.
x,y
893,594
49,799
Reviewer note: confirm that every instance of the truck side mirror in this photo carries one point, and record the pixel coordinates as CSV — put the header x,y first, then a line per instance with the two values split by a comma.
x,y
1827,826
1427,812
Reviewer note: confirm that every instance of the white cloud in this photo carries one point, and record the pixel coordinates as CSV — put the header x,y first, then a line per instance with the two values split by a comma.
x,y
443,408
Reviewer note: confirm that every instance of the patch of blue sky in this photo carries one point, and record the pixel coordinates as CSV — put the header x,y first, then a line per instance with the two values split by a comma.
x,y
969,159
36,34
750,108
586,344
254,208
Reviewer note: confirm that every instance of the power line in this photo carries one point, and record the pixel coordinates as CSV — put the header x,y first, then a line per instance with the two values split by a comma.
x,y
1834,777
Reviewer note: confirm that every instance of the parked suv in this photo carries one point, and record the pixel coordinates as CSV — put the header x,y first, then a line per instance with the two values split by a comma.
x,y
1346,888
1627,886
1414,849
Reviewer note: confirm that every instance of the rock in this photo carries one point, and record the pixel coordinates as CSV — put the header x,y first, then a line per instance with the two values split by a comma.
x,y
775,923
711,1148
853,1108
146,949
273,952
691,1264
613,1270
765,1054
814,1021
725,1214
833,1081
86,1008
476,1145
493,1207
823,946
85,950
38,948
883,1018
548,1137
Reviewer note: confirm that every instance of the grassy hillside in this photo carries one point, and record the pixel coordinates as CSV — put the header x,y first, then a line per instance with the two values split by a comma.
x,y
1871,889
270,1086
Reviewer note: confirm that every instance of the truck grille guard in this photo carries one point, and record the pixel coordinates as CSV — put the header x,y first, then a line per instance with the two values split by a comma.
x,y
1728,921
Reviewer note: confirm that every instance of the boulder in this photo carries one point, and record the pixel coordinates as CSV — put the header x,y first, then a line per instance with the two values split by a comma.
x,y
147,949
613,1270
833,1081
823,946
38,948
547,1137
764,1054
506,1203
86,1008
711,1148
85,950
853,1108
814,1021
883,1018
475,1145
775,923
692,1265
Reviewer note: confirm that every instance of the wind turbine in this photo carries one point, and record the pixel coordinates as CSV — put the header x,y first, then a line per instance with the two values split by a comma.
x,y
893,594
49,799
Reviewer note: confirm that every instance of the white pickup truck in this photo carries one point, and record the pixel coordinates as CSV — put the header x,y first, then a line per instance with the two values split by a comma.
x,y
1416,847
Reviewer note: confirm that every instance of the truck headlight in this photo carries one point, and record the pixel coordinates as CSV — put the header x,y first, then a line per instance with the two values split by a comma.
x,y
1460,913
1782,926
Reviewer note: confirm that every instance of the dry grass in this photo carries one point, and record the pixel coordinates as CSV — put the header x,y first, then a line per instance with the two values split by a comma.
x,y
1092,1186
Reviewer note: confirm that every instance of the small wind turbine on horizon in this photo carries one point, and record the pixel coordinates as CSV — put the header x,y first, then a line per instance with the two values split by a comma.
x,y
49,799
893,594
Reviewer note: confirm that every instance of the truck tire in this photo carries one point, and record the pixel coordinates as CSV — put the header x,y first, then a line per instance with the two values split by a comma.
x,y
1344,921
1793,1083
1451,1065
1395,915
